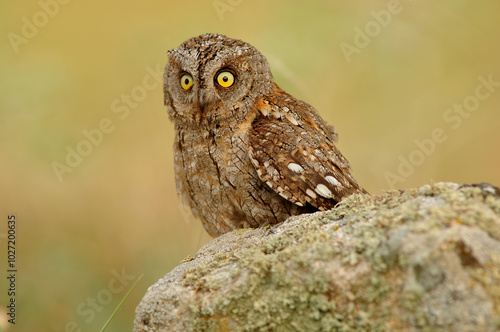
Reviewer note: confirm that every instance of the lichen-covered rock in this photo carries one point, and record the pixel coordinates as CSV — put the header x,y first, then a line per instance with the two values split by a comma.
x,y
421,259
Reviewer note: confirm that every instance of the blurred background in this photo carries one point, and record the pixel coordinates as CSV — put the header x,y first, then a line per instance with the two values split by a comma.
x,y
86,160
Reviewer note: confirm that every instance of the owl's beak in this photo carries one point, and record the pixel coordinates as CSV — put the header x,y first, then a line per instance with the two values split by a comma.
x,y
201,99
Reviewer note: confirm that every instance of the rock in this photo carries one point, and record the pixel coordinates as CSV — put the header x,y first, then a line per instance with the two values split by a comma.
x,y
420,259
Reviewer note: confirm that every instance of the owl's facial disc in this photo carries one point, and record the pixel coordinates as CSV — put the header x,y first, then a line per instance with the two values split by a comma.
x,y
211,72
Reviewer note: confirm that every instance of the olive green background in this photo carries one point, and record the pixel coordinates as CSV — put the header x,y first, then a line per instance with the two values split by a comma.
x,y
117,210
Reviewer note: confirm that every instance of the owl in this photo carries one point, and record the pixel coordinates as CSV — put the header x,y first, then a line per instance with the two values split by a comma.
x,y
246,153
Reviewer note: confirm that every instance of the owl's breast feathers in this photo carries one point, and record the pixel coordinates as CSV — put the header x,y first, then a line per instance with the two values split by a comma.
x,y
293,152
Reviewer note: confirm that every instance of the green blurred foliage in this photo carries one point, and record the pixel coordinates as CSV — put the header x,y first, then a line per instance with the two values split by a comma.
x,y
118,208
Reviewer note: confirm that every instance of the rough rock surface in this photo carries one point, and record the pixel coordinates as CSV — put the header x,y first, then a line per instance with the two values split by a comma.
x,y
422,259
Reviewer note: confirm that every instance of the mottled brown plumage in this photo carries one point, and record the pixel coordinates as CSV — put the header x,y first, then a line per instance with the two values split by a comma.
x,y
247,154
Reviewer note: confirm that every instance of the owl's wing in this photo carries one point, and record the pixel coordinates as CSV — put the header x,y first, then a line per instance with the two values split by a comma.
x,y
292,150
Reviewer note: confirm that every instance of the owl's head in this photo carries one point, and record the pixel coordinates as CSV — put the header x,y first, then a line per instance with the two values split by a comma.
x,y
211,73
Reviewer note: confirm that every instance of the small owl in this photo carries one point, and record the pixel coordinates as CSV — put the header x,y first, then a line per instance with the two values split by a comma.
x,y
247,154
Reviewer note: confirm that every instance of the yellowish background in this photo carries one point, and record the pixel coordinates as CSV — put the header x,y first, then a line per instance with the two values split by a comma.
x,y
118,209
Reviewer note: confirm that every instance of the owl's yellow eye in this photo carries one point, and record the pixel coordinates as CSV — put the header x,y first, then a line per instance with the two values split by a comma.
x,y
225,79
186,81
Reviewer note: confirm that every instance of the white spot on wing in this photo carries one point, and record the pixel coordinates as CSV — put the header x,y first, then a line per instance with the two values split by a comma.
x,y
283,195
291,119
295,168
311,193
277,114
333,180
323,191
